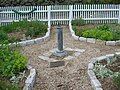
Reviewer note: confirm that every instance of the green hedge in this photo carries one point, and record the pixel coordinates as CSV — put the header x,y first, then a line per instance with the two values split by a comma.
x,y
49,2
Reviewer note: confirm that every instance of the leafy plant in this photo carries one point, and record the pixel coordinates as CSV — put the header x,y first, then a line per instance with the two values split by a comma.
x,y
3,36
36,28
78,22
98,34
11,62
101,71
116,79
103,27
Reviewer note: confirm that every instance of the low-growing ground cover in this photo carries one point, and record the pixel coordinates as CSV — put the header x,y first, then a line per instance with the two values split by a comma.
x,y
108,74
107,32
22,30
13,66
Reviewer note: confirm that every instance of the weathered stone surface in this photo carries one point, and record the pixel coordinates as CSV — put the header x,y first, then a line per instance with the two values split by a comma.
x,y
77,54
72,33
101,58
111,43
53,50
46,38
56,63
117,54
90,66
95,84
99,88
75,37
79,50
23,43
47,54
82,39
44,58
69,49
91,40
91,74
39,40
69,58
118,42
110,56
29,83
93,60
30,42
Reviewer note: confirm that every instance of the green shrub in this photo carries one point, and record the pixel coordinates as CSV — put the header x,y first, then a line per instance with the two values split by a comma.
x,y
98,34
106,35
90,33
11,61
78,22
103,27
115,29
3,36
36,28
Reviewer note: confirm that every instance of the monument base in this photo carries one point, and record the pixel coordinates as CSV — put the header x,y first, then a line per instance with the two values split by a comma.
x,y
60,53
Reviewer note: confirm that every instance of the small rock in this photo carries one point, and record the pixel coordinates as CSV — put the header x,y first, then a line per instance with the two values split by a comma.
x,y
111,43
56,63
83,39
91,40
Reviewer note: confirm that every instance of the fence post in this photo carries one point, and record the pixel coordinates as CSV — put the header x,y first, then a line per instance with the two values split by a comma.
x,y
70,13
119,15
49,9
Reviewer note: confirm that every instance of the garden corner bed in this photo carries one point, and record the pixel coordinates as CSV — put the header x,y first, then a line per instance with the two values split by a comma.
x,y
104,72
14,71
110,33
24,32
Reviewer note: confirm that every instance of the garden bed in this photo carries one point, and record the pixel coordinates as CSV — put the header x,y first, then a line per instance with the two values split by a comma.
x,y
104,72
15,83
107,82
22,31
109,33
14,73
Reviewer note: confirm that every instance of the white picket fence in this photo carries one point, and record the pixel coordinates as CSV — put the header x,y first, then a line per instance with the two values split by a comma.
x,y
94,13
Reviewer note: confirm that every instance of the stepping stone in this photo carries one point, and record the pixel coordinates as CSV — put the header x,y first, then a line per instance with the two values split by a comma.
x,y
79,50
69,58
44,58
77,54
53,50
56,63
47,54
91,40
69,49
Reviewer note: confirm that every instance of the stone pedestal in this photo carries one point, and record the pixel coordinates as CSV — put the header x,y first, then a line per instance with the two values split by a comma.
x,y
60,52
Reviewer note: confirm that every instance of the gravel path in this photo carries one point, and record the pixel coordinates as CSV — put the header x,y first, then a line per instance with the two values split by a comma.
x,y
72,76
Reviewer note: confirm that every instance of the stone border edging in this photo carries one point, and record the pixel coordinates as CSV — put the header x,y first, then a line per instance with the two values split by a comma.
x,y
92,40
33,41
30,81
93,79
